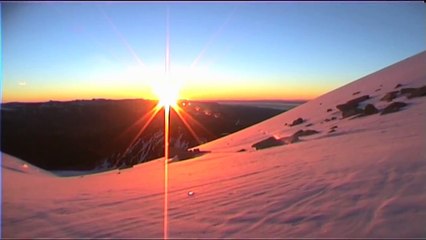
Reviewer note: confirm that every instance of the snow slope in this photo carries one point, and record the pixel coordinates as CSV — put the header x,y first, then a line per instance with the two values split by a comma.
x,y
366,179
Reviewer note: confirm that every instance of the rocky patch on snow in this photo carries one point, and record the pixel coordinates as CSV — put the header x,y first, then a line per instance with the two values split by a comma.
x,y
273,141
393,107
182,154
332,129
307,132
297,122
267,143
417,92
369,109
389,96
350,108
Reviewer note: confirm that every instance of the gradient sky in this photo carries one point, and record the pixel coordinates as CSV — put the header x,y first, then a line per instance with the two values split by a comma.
x,y
219,50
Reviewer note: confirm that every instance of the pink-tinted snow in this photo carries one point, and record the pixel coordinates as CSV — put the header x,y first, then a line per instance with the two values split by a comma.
x,y
366,179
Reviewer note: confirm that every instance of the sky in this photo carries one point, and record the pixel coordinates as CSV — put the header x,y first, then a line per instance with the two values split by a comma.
x,y
218,50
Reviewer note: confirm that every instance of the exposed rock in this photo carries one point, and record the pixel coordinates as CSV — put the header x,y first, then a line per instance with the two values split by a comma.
x,y
377,90
351,112
182,154
419,92
358,99
393,107
405,91
352,103
356,93
297,122
329,110
334,127
242,150
332,130
302,133
350,108
309,124
267,143
370,109
398,85
197,150
330,119
389,96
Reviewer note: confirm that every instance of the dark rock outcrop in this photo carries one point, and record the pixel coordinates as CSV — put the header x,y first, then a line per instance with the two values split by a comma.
x,y
418,92
389,96
358,99
350,108
370,109
405,91
393,107
297,122
330,119
351,112
356,93
267,143
183,154
302,133
398,85
329,110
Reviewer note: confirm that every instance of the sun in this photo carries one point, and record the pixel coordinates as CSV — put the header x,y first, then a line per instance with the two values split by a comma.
x,y
167,93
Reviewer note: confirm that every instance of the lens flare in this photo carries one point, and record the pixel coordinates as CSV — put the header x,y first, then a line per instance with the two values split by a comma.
x,y
167,93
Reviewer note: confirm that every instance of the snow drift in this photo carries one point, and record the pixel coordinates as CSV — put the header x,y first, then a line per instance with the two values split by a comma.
x,y
358,176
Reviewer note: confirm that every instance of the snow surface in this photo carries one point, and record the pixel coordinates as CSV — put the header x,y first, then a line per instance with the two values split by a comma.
x,y
366,179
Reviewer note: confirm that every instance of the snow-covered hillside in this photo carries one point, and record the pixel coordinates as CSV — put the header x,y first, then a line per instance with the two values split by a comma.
x,y
357,177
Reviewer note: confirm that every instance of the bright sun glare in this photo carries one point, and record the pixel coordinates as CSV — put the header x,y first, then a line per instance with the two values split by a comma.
x,y
167,93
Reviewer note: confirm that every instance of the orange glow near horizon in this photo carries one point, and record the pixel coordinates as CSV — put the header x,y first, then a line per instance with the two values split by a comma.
x,y
152,83
170,94
149,83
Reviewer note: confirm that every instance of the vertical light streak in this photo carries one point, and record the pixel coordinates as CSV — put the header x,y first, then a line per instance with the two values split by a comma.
x,y
166,132
166,170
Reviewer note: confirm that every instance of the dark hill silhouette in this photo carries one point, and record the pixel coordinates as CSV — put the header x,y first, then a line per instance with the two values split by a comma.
x,y
83,135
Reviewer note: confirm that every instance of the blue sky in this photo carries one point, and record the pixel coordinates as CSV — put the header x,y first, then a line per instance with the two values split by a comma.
x,y
244,50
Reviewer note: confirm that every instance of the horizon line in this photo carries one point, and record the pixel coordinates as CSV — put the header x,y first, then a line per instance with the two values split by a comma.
x,y
150,99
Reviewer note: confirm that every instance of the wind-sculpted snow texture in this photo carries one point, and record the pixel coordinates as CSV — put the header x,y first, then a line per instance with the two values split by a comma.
x,y
358,176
